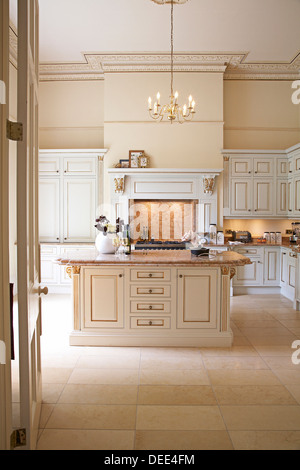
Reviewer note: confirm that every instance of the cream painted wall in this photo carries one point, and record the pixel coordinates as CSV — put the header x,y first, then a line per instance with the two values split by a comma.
x,y
71,114
260,115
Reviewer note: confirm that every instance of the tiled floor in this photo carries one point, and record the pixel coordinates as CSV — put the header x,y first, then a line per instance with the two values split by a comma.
x,y
246,397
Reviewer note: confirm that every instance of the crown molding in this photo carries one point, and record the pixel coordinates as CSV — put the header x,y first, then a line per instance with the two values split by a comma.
x,y
94,66
232,65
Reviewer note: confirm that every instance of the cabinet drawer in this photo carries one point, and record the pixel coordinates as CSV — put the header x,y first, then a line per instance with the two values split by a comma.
x,y
249,251
150,323
49,250
149,306
153,291
263,166
150,274
49,166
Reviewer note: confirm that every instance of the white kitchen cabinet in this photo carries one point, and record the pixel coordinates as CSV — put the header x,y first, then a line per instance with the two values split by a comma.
x,y
282,167
284,267
104,298
49,209
263,196
69,195
79,210
282,195
296,184
198,284
241,166
241,196
263,167
249,275
271,266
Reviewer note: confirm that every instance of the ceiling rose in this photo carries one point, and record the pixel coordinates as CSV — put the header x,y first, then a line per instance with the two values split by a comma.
x,y
162,2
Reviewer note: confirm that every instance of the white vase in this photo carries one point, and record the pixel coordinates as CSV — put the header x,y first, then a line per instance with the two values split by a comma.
x,y
104,244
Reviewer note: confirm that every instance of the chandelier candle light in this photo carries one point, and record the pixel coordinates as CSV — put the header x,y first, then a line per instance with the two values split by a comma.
x,y
172,110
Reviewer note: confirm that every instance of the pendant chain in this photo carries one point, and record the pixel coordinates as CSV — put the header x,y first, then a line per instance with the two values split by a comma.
x,y
172,47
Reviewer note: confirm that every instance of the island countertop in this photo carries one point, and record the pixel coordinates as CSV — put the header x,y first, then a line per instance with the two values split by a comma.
x,y
168,257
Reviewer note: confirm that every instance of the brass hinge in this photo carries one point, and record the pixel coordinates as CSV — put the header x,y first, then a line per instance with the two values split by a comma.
x,y
18,438
14,131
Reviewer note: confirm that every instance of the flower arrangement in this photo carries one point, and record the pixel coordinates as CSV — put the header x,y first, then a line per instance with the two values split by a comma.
x,y
104,225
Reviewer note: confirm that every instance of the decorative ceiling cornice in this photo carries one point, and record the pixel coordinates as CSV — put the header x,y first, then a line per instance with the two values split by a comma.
x,y
233,65
94,66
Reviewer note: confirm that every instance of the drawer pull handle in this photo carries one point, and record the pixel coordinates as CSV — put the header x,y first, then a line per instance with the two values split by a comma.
x,y
150,323
150,291
150,275
180,276
120,275
150,307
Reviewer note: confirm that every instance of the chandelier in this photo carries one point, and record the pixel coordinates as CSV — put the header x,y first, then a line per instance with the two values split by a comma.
x,y
172,111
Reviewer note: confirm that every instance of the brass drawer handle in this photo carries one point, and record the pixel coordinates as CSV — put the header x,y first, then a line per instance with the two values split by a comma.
x,y
150,323
120,275
150,307
150,275
180,276
150,291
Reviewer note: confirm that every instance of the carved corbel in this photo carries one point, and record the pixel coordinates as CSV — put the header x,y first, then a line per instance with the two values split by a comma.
x,y
119,185
70,270
209,184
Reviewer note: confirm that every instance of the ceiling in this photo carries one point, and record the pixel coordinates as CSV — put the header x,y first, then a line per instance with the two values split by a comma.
x,y
265,30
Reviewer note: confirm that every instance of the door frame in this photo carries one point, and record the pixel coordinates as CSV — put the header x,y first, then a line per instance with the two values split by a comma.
x,y
5,369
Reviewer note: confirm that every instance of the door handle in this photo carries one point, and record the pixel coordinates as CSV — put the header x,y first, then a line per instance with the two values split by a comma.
x,y
41,290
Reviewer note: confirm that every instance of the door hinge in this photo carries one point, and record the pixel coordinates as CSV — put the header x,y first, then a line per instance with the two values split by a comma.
x,y
18,438
14,131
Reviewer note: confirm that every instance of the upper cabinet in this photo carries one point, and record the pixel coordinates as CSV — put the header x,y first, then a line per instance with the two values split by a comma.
x,y
262,184
69,195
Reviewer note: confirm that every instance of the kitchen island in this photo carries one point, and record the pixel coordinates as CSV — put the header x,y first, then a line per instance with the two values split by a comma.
x,y
152,298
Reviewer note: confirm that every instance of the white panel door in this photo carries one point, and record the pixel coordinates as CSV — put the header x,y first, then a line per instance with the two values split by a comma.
x,y
199,284
263,166
29,289
241,167
263,196
297,196
49,209
241,196
250,274
5,364
79,210
290,196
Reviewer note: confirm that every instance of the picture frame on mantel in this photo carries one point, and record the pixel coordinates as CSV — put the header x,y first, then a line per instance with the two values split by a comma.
x,y
134,158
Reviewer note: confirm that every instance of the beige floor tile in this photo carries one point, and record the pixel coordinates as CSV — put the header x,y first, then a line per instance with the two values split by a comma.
x,y
291,323
172,362
104,376
243,363
288,377
241,341
92,417
268,351
175,418
235,351
243,323
281,362
254,395
46,412
109,362
265,332
52,392
59,375
60,439
257,418
183,440
295,331
173,377
176,395
99,394
295,391
243,377
272,340
262,440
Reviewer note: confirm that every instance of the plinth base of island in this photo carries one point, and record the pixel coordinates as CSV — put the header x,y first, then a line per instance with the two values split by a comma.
x,y
185,303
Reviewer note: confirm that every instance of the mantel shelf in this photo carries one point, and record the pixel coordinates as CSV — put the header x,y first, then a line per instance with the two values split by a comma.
x,y
178,171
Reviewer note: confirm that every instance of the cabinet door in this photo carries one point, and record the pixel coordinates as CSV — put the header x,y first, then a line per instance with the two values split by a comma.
x,y
290,196
79,209
263,167
241,167
272,267
241,195
197,298
282,167
283,268
263,197
297,163
80,166
282,197
297,195
49,209
249,275
49,165
103,298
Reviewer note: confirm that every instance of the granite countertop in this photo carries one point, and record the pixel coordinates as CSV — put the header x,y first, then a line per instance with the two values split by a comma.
x,y
168,257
